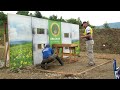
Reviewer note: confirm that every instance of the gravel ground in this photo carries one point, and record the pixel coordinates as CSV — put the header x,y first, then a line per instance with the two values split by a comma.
x,y
32,72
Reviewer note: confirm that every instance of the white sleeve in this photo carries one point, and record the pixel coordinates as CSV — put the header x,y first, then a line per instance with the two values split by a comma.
x,y
88,30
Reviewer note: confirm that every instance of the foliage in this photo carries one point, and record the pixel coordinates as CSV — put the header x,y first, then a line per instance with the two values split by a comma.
x,y
30,14
75,21
38,14
26,13
53,17
72,20
61,19
3,18
1,36
1,31
106,26
77,49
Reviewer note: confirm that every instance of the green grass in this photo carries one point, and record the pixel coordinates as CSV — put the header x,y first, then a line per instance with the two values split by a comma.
x,y
20,55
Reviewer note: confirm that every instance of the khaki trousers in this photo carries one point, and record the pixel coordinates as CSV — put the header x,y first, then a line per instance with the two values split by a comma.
x,y
90,54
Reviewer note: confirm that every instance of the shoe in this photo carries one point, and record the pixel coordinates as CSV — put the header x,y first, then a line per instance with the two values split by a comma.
x,y
91,64
61,62
45,67
42,67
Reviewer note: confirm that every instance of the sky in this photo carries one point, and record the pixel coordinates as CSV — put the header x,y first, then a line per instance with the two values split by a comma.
x,y
19,29
95,18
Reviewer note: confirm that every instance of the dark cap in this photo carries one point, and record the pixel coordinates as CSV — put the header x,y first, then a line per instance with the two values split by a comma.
x,y
83,23
47,46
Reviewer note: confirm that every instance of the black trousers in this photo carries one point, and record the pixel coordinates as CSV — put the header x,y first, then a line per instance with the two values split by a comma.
x,y
52,58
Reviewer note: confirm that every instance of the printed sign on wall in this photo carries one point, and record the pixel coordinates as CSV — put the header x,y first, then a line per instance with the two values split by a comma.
x,y
54,32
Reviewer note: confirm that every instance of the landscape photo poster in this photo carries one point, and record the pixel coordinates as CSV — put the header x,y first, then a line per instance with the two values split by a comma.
x,y
20,40
76,37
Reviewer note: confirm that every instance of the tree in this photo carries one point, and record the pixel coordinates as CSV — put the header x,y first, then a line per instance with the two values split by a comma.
x,y
38,14
3,18
53,17
44,17
61,19
26,13
31,14
106,26
75,21
72,20
79,22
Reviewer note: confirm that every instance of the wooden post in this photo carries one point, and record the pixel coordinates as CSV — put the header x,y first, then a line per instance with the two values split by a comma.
x,y
70,48
62,52
5,50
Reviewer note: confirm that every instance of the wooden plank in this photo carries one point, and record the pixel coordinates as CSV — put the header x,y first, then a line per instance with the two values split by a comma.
x,y
65,45
92,68
48,71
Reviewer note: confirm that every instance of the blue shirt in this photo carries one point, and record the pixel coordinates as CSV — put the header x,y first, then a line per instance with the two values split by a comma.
x,y
47,52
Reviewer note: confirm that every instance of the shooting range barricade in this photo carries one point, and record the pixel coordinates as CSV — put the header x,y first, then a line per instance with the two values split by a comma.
x,y
71,47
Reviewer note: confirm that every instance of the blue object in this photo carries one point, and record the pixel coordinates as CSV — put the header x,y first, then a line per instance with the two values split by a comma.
x,y
114,65
116,70
47,51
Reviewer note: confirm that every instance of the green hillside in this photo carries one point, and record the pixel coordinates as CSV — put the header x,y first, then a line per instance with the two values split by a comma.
x,y
111,25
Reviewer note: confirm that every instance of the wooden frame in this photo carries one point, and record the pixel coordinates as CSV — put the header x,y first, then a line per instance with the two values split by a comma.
x,y
71,47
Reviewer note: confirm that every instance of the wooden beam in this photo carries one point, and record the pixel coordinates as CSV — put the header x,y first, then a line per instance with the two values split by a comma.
x,y
92,68
48,71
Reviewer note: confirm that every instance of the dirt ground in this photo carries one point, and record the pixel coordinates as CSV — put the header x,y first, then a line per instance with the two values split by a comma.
x,y
67,71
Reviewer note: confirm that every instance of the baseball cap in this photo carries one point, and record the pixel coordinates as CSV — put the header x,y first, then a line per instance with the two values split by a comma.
x,y
83,23
47,45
